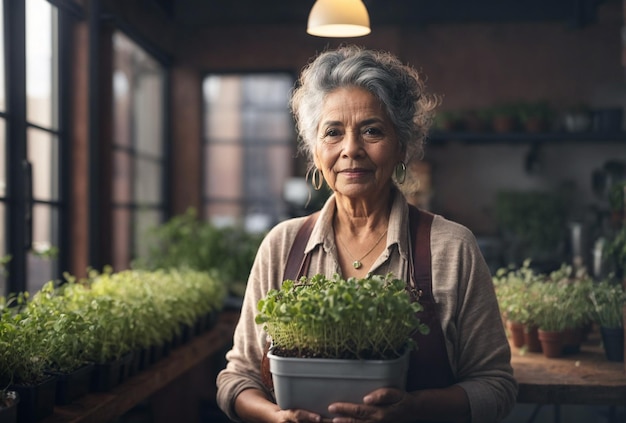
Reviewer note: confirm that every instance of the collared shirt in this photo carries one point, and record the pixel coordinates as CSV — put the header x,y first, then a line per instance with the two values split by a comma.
x,y
476,343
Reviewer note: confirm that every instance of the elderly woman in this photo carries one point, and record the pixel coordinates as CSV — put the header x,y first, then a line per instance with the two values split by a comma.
x,y
362,115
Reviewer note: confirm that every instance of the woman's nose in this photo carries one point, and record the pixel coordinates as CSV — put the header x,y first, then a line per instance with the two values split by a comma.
x,y
352,143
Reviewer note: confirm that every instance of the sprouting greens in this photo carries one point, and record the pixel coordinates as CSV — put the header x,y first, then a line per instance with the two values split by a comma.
x,y
369,318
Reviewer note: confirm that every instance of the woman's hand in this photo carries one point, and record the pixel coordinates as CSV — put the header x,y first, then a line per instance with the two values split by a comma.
x,y
392,405
297,416
252,406
381,405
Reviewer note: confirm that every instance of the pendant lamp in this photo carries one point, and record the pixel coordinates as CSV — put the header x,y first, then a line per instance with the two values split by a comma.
x,y
338,18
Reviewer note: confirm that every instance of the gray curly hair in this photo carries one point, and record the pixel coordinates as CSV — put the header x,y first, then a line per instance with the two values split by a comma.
x,y
399,88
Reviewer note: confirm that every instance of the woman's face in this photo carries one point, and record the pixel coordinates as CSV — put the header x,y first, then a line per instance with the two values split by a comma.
x,y
356,147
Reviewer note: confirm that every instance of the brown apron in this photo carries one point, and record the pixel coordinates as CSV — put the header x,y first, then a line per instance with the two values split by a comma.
x,y
429,366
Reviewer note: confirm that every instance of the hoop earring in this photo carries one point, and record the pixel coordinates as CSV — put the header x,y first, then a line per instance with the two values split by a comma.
x,y
317,179
400,173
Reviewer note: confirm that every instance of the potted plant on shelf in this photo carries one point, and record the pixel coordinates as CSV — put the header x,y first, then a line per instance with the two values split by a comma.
x,y
504,118
536,116
517,297
66,322
551,319
573,289
186,242
8,406
609,298
532,225
24,357
353,335
615,253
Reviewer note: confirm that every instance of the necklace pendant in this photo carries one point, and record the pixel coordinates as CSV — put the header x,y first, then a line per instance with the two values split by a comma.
x,y
357,264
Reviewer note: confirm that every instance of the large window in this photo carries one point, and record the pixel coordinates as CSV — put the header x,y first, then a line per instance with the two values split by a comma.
x,y
248,148
31,146
138,148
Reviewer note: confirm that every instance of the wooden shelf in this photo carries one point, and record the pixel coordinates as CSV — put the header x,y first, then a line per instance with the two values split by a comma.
x,y
583,378
107,406
440,138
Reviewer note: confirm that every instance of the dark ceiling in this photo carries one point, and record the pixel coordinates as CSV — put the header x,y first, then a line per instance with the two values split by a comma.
x,y
382,12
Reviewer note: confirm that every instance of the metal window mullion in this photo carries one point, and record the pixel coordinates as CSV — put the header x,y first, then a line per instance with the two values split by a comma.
x,y
15,47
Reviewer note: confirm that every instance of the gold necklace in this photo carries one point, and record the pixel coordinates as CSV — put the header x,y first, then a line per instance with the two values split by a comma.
x,y
357,263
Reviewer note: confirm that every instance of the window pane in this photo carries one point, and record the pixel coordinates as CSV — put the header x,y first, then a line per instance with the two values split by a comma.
x,y
222,96
121,238
144,220
41,63
3,160
267,91
223,213
266,126
42,259
139,158
147,182
121,109
148,112
224,171
249,147
43,154
122,177
3,104
138,86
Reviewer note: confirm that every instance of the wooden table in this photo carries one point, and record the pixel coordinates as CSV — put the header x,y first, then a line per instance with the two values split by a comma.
x,y
107,406
583,378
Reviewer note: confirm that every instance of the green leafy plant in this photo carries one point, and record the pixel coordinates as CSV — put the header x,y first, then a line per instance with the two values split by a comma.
x,y
369,318
65,324
186,242
98,319
615,252
608,298
616,197
573,290
516,292
24,354
533,221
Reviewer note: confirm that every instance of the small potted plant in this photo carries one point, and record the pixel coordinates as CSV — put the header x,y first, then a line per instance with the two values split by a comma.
x,y
550,316
608,299
573,288
66,322
517,297
24,357
615,253
577,118
536,116
504,118
337,326
9,401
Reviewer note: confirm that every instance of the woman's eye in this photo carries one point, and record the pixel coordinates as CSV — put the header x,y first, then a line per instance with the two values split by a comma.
x,y
332,136
372,133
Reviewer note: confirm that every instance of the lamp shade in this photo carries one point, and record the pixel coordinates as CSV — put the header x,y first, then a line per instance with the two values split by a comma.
x,y
338,18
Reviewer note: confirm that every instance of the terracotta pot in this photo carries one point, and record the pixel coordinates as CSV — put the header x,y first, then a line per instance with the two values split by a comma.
x,y
503,124
516,331
551,343
535,125
531,339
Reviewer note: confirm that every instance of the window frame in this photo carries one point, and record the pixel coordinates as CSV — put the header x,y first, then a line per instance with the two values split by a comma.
x,y
243,201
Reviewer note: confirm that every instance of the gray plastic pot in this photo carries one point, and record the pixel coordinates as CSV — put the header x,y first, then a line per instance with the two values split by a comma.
x,y
314,383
